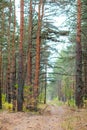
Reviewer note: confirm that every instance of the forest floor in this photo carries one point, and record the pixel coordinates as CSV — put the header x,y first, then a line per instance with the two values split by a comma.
x,y
51,118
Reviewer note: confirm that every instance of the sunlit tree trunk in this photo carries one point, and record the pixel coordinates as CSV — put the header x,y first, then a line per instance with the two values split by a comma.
x,y
38,44
21,66
79,85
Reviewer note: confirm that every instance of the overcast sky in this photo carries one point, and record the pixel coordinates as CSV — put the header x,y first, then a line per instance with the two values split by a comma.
x,y
57,21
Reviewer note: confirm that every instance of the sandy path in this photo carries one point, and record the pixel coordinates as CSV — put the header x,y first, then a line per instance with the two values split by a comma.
x,y
50,120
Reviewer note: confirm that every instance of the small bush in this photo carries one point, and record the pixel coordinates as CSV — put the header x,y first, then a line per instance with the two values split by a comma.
x,y
56,102
3,98
85,103
71,102
7,106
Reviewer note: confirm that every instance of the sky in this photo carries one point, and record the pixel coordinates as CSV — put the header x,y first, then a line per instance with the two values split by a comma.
x,y
17,3
57,21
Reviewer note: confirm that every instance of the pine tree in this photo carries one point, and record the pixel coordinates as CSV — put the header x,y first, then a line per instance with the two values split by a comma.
x,y
21,65
38,45
79,84
0,77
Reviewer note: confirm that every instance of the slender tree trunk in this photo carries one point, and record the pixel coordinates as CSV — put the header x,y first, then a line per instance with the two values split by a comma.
x,y
38,42
3,77
0,77
29,55
79,85
9,58
45,87
29,58
85,71
13,65
21,66
1,59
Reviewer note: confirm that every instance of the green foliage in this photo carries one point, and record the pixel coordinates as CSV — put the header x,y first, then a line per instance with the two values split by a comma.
x,y
52,91
67,87
85,103
28,89
71,103
63,72
3,98
41,97
56,101
7,106
16,86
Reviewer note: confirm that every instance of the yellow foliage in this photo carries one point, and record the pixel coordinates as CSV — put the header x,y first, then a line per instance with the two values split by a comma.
x,y
85,103
7,106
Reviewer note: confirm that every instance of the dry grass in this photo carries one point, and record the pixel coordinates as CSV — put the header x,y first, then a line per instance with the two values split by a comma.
x,y
60,118
75,120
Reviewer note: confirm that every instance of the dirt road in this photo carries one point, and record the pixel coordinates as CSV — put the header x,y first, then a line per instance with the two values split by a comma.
x,y
52,118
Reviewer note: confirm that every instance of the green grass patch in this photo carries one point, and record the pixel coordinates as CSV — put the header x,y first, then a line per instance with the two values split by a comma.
x,y
55,101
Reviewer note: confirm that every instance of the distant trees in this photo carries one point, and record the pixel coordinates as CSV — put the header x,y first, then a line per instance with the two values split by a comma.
x,y
63,76
78,36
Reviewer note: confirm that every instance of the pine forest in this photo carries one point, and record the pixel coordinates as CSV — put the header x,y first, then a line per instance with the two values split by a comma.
x,y
43,65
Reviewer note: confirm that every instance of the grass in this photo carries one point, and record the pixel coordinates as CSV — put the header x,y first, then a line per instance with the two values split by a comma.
x,y
55,101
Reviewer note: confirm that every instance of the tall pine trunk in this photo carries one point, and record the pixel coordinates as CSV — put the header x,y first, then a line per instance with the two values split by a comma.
x,y
85,72
0,77
21,66
29,57
13,65
29,54
79,85
9,57
38,45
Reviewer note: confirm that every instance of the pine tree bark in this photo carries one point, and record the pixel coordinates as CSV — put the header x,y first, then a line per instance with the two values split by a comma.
x,y
38,42
0,77
13,65
29,54
21,66
79,84
1,59
85,73
45,86
9,57
29,58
